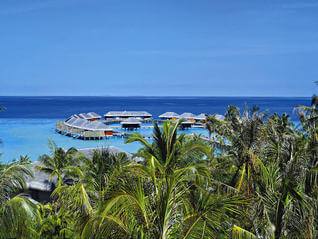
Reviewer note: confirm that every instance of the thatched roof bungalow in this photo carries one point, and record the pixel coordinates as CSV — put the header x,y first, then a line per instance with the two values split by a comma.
x,y
186,124
169,115
78,123
200,117
84,116
130,123
98,126
69,121
127,114
73,116
188,116
92,116
83,124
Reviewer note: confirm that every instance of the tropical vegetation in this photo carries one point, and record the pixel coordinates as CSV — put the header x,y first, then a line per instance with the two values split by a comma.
x,y
256,176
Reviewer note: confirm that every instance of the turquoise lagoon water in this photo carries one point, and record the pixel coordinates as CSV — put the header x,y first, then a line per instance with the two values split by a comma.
x,y
30,137
28,122
148,130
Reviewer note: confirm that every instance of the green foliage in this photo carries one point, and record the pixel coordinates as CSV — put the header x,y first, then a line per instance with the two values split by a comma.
x,y
240,233
17,213
17,217
12,180
273,163
256,178
24,159
60,163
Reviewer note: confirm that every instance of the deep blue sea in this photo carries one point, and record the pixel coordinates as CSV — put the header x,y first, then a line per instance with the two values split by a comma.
x,y
28,122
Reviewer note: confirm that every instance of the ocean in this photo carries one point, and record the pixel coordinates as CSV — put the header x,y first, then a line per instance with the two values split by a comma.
x,y
28,122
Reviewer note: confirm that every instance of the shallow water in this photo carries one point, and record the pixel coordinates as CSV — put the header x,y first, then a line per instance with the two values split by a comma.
x,y
28,122
30,137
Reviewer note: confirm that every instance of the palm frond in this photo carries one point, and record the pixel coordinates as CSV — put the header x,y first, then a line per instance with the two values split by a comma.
x,y
240,233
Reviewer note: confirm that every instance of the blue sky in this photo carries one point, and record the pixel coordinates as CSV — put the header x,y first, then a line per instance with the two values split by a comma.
x,y
162,47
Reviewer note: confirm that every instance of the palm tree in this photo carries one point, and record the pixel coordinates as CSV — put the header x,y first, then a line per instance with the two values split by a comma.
x,y
168,150
96,181
61,162
102,170
174,179
18,216
308,117
150,199
309,120
278,130
208,213
281,192
245,132
12,180
17,213
53,223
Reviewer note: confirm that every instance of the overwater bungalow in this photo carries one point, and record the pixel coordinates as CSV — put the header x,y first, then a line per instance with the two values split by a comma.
x,y
91,116
186,124
83,128
84,116
131,123
94,116
76,123
127,114
169,116
200,117
188,116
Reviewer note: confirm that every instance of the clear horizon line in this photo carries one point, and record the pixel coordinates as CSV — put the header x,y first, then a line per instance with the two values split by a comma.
x,y
254,96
